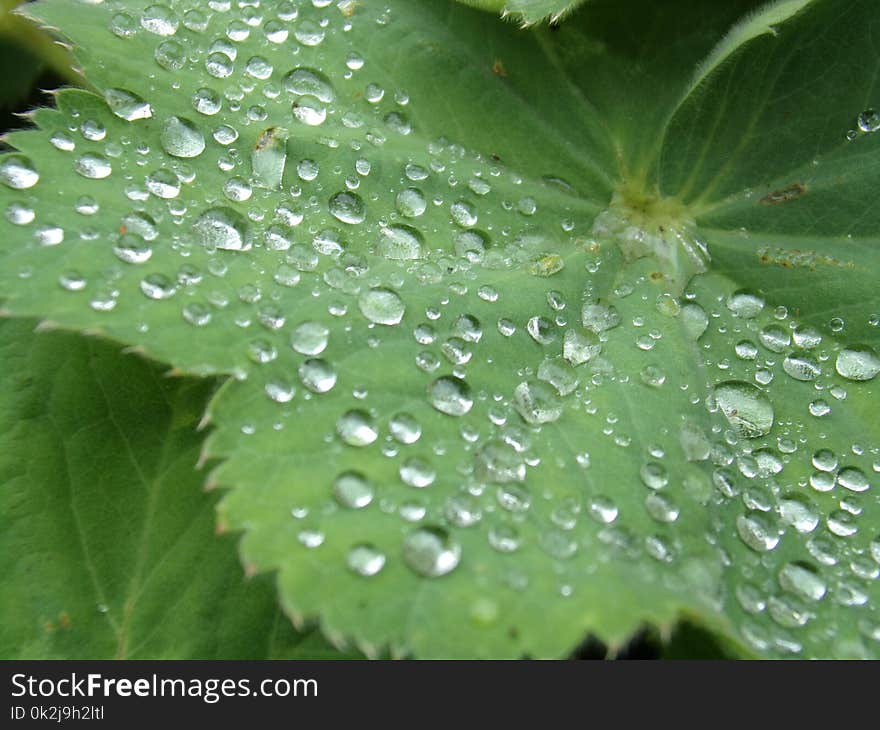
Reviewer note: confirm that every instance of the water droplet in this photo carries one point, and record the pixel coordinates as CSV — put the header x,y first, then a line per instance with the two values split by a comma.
x,y
400,243
599,317
18,173
869,121
802,580
353,490
311,538
160,20
309,111
93,166
411,203
853,478
758,531
357,428
132,249
310,338
317,375
580,347
745,407
417,473
694,319
798,512
801,366
182,138
537,402
222,228
450,395
541,330
463,213
365,559
170,55
381,306
745,303
431,552
163,183
858,362
157,286
775,338
348,208
127,105
309,82
654,475
405,428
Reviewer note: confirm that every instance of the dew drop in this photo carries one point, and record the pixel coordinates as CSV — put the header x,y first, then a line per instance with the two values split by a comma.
x,y
745,303
431,552
357,428
757,531
381,306
537,402
450,395
353,490
18,173
127,105
365,559
222,228
857,362
182,138
93,166
348,208
400,243
317,375
310,338
745,407
802,580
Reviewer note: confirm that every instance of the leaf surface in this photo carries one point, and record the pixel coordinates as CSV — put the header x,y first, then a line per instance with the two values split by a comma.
x,y
108,546
521,324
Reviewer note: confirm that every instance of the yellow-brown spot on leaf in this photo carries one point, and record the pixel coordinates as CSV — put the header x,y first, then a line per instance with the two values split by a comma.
x,y
792,192
498,68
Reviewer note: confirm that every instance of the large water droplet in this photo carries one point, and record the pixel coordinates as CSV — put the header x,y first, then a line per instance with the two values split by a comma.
x,y
127,105
381,306
222,228
310,338
758,531
537,402
745,304
348,208
801,366
802,580
182,138
93,166
353,490
17,172
357,428
431,552
858,362
450,395
317,375
365,559
400,243
309,82
746,407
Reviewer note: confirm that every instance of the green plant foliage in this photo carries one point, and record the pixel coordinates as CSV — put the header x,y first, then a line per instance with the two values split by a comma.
x,y
25,53
522,326
107,542
529,11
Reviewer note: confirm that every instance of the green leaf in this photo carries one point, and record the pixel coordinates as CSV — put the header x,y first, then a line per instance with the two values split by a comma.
x,y
108,548
520,324
529,11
